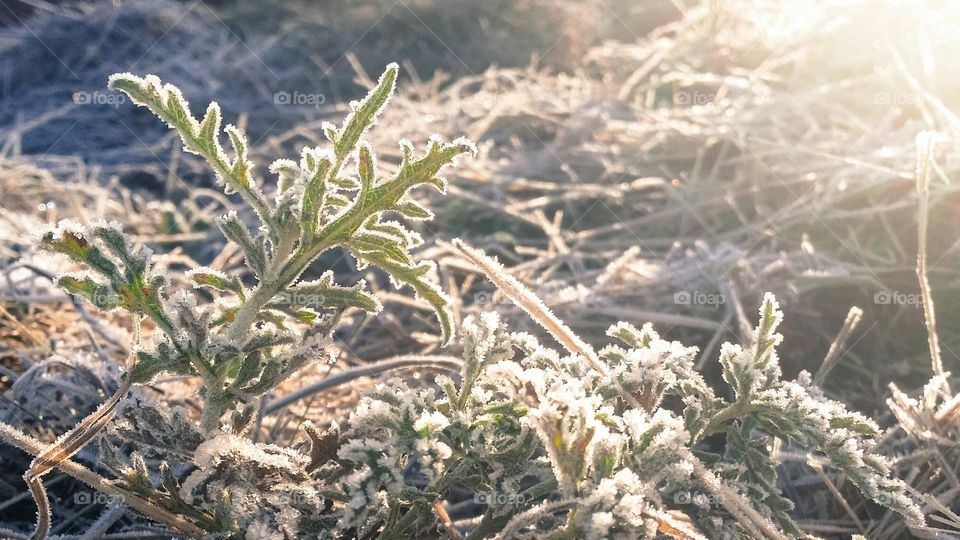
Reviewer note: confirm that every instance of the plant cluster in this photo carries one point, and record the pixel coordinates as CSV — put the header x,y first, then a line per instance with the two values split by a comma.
x,y
551,446
625,442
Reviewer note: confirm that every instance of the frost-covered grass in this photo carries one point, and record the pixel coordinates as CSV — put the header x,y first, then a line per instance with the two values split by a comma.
x,y
579,444
749,158
253,336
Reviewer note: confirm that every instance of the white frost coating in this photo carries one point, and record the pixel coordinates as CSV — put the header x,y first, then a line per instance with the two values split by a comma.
x,y
431,422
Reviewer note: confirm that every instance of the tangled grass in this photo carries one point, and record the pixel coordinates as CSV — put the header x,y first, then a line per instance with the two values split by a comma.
x,y
728,152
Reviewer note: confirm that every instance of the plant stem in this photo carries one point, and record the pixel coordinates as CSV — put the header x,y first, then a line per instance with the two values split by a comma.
x,y
405,521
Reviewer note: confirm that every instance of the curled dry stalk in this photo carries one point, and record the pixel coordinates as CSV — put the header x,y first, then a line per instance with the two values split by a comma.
x,y
66,447
58,454
70,443
32,446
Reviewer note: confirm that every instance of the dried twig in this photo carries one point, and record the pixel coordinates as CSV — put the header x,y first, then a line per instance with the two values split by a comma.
x,y
366,370
924,159
69,444
833,354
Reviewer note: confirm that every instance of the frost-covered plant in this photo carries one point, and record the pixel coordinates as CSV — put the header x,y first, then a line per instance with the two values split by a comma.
x,y
256,335
261,327
626,442
550,445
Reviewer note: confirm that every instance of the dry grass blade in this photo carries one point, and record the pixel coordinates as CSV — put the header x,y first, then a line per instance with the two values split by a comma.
x,y
366,370
833,354
23,329
519,521
526,300
924,165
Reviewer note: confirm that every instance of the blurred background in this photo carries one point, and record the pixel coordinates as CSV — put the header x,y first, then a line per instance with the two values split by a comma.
x,y
662,161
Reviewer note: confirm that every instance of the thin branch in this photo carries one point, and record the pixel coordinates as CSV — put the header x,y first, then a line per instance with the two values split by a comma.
x,y
337,379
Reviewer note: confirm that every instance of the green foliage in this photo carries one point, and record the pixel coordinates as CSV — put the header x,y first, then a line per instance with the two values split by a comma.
x,y
614,443
253,338
616,471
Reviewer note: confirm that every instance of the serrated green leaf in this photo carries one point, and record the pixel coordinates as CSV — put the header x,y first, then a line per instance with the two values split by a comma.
x,y
314,199
324,294
147,367
253,251
426,291
337,201
345,183
365,113
286,171
388,246
413,210
267,379
365,168
217,280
